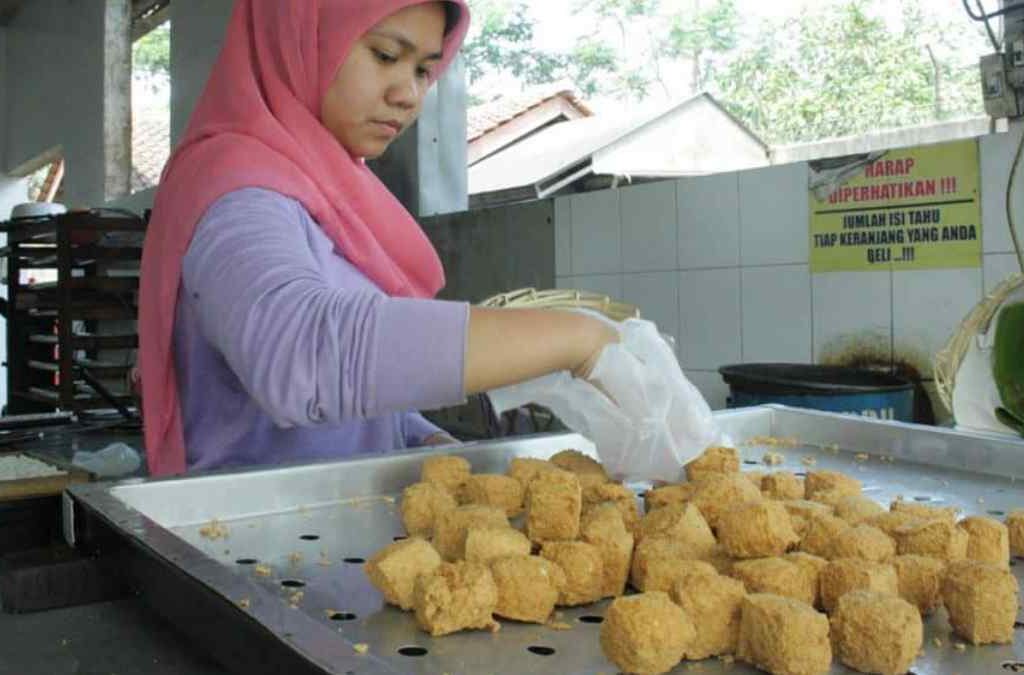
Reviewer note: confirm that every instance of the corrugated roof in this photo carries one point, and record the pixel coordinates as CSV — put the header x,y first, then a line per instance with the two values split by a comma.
x,y
489,116
151,145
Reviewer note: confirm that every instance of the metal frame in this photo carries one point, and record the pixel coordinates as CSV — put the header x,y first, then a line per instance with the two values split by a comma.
x,y
153,528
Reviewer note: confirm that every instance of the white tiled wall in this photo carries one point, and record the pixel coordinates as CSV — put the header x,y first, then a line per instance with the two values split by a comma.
x,y
731,250
852,310
774,207
928,306
777,314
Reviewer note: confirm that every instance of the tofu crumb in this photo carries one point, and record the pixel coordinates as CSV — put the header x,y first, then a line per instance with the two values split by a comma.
x,y
773,458
937,642
214,530
960,647
808,461
244,603
295,558
296,598
981,500
862,456
495,627
389,500
559,625
262,570
361,648
727,658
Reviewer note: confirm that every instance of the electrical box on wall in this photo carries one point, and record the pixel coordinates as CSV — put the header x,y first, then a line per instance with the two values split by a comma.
x,y
1001,98
1002,73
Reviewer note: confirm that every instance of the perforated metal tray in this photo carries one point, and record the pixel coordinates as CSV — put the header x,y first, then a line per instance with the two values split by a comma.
x,y
313,526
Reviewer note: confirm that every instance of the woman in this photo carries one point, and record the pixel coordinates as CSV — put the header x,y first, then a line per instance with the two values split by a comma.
x,y
285,308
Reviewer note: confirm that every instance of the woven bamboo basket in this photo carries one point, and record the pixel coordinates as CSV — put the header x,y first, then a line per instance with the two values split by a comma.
x,y
563,299
948,359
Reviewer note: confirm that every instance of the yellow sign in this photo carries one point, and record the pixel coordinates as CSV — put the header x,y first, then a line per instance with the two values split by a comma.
x,y
911,209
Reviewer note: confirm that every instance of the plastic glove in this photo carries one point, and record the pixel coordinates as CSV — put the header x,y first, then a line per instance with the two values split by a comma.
x,y
644,417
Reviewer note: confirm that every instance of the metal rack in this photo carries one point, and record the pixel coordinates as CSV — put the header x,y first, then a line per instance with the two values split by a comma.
x,y
69,340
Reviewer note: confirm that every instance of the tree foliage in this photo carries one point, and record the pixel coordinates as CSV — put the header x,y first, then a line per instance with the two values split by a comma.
x,y
838,68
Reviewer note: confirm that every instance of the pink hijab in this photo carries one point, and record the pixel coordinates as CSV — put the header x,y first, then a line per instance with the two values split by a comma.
x,y
258,125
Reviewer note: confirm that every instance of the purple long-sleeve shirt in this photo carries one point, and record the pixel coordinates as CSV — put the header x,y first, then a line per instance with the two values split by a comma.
x,y
286,352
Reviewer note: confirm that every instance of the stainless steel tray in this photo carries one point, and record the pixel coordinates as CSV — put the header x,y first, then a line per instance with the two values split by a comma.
x,y
314,525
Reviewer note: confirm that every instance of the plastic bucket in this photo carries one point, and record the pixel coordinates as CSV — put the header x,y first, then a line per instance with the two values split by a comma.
x,y
831,388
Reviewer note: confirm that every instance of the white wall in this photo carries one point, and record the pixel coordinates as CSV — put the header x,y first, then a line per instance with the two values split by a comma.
x,y
12,191
54,91
722,263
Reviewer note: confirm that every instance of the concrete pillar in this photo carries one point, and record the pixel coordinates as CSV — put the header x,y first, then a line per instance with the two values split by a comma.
x,y
117,98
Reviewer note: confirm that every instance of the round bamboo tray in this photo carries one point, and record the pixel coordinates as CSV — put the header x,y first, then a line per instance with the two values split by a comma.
x,y
563,299
948,359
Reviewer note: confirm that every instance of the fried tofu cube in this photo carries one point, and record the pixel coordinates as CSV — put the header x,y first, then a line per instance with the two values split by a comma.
x,y
936,538
891,521
801,511
588,469
757,478
821,535
920,581
988,540
720,559
682,522
805,508
714,460
1015,528
713,603
783,636
393,569
782,485
485,544
448,471
853,574
554,502
422,504
924,512
777,576
719,492
491,489
756,530
646,633
452,526
455,596
528,587
864,542
679,493
525,469
583,565
830,481
603,527
617,494
812,566
855,509
657,563
876,633
981,599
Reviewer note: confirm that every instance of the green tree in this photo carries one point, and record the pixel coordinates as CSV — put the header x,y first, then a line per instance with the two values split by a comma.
x,y
795,81
151,54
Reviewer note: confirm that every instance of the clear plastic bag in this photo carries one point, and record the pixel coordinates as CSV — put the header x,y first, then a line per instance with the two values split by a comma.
x,y
645,418
117,459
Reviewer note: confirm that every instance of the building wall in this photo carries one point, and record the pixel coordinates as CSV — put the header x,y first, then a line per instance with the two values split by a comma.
x,y
197,31
722,263
54,91
699,138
